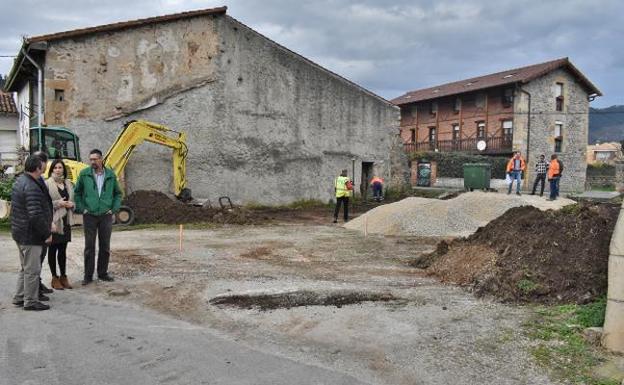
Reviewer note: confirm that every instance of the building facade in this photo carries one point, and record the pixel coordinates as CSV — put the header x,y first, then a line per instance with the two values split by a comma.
x,y
604,153
538,109
9,138
264,124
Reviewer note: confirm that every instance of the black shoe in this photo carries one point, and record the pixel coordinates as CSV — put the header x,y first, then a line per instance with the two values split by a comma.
x,y
532,193
37,306
335,220
43,297
43,289
518,193
106,278
18,302
85,281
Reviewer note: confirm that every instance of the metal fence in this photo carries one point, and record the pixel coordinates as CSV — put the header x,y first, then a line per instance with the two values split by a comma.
x,y
493,145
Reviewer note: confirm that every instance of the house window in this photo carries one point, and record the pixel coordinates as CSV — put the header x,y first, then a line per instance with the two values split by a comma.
x,y
59,95
456,132
507,97
480,130
559,96
457,105
433,108
413,135
432,134
558,129
507,131
558,136
558,144
480,100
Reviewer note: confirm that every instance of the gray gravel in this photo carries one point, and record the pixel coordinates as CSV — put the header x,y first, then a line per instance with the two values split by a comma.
x,y
456,217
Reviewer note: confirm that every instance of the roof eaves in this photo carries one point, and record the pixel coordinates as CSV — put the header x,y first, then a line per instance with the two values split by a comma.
x,y
126,24
17,64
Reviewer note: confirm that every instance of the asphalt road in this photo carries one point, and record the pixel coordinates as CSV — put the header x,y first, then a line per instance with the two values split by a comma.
x,y
86,340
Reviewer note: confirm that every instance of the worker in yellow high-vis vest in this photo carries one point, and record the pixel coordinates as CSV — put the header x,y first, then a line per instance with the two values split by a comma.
x,y
343,187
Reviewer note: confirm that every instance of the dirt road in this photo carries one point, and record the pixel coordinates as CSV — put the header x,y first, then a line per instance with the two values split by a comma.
x,y
389,324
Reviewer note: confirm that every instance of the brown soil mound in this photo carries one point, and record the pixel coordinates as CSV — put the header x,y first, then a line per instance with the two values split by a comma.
x,y
528,255
156,207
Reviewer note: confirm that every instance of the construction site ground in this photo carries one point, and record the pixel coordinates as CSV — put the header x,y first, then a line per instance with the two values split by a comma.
x,y
297,300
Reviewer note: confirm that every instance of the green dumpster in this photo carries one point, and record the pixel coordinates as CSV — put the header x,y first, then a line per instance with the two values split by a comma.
x,y
477,176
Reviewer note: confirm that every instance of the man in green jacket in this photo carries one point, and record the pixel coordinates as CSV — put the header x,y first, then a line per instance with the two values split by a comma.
x,y
98,197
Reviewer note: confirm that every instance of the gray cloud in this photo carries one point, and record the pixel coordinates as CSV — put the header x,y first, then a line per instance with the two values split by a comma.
x,y
389,47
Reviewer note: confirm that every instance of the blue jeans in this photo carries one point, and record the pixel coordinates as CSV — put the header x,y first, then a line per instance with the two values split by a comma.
x,y
377,189
554,187
515,175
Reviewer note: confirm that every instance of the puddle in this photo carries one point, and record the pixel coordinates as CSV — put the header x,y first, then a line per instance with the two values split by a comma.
x,y
300,298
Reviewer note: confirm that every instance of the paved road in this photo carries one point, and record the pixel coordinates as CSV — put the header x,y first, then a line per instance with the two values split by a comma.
x,y
86,340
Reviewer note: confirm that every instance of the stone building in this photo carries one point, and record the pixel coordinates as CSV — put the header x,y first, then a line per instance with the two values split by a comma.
x,y
609,152
9,139
538,109
264,124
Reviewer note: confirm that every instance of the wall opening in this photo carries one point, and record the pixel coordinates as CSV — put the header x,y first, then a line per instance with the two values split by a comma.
x,y
367,174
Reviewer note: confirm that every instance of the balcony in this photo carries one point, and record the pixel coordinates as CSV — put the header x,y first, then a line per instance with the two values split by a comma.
x,y
493,145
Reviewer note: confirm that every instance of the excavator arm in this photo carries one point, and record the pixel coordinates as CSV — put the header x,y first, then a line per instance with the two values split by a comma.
x,y
136,132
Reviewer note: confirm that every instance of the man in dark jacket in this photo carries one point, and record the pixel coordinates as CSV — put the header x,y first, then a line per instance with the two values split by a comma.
x,y
98,197
44,159
31,228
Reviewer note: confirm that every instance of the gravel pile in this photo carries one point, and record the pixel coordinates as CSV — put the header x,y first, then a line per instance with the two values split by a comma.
x,y
457,217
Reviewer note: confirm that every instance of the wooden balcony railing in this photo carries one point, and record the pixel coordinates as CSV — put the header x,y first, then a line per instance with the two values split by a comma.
x,y
493,145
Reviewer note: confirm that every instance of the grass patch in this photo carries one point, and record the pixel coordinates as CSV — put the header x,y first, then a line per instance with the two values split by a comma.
x,y
571,209
296,205
306,204
559,343
603,188
527,286
5,225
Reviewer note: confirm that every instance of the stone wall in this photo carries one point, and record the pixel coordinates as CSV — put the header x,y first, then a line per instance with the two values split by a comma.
x,y
263,123
575,127
600,176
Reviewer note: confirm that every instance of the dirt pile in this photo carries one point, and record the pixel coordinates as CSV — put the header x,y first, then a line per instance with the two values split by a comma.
x,y
156,207
528,255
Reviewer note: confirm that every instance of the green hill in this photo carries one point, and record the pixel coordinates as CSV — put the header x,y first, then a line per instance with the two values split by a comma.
x,y
606,124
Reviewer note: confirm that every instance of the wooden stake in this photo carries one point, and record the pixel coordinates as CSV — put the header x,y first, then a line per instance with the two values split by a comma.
x,y
181,227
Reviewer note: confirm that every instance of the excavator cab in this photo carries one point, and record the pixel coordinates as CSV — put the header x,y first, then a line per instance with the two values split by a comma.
x,y
57,142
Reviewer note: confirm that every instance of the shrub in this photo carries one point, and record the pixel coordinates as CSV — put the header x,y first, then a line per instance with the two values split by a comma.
x,y
600,169
6,186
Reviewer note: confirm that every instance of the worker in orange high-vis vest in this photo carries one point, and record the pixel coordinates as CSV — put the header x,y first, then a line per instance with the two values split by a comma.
x,y
554,174
377,185
515,167
343,187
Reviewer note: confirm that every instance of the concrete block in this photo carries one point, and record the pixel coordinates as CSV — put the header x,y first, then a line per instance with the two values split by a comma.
x,y
617,239
616,272
613,337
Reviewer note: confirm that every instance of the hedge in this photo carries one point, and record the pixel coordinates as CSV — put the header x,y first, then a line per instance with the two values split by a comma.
x,y
6,186
451,164
600,169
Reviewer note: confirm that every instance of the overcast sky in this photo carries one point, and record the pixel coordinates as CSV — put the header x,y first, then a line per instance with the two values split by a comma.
x,y
389,47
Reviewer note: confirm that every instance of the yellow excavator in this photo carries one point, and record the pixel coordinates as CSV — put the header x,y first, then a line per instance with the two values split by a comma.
x,y
61,143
